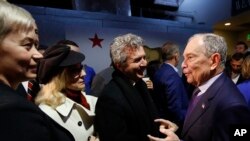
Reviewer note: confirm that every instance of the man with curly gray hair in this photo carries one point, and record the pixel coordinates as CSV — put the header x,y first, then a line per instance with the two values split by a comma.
x,y
125,110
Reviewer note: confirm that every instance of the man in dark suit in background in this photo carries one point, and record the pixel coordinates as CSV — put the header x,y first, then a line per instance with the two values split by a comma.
x,y
170,94
218,105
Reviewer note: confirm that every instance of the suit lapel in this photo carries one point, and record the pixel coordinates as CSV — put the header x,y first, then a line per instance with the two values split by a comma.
x,y
133,97
203,104
200,108
140,102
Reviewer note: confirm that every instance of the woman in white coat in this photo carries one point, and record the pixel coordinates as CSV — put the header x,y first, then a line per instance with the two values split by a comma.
x,y
61,96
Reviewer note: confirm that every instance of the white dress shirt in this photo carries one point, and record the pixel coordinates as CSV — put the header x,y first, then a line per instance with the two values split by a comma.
x,y
203,88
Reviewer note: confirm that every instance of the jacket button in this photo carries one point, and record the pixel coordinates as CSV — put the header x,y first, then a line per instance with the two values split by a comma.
x,y
79,123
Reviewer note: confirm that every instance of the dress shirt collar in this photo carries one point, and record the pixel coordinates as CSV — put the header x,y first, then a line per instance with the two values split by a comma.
x,y
203,88
173,67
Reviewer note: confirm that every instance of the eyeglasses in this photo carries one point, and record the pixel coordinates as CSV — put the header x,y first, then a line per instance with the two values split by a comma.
x,y
75,69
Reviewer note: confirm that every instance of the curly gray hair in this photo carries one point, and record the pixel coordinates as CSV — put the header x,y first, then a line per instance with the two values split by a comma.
x,y
120,45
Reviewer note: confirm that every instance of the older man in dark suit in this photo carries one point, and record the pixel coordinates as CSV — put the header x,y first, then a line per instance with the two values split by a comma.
x,y
218,105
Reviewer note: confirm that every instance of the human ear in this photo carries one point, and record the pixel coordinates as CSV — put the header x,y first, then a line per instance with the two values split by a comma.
x,y
215,59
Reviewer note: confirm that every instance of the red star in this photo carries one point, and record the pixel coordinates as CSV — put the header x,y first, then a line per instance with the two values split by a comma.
x,y
96,41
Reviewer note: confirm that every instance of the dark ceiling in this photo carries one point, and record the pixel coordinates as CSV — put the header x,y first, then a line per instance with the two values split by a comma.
x,y
141,8
239,23
159,9
64,4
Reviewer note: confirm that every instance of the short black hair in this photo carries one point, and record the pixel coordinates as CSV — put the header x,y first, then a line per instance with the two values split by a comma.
x,y
238,56
242,43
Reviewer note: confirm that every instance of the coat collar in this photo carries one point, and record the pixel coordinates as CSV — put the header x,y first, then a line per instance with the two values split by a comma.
x,y
139,99
65,108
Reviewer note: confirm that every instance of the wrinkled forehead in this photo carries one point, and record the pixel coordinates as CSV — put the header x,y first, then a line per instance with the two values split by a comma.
x,y
194,45
132,50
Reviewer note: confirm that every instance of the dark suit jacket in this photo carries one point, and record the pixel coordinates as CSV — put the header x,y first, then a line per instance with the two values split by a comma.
x,y
220,107
170,94
21,120
240,80
228,72
125,112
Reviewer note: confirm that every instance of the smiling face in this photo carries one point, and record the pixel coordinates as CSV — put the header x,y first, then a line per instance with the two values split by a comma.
x,y
135,63
19,56
196,65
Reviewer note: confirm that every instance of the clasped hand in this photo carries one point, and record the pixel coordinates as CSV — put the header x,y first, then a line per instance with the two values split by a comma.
x,y
168,128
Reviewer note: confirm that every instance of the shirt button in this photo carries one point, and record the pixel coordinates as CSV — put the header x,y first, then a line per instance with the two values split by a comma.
x,y
79,123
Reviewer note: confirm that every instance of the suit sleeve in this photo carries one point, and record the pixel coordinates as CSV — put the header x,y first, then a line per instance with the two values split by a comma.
x,y
176,98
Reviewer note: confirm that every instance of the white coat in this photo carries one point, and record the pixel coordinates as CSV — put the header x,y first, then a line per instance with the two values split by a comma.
x,y
77,119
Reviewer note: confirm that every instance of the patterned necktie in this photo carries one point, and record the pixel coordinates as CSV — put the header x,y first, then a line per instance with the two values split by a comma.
x,y
29,91
33,89
194,100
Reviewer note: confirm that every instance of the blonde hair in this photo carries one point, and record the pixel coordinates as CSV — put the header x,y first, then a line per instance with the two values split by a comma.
x,y
245,70
14,19
50,94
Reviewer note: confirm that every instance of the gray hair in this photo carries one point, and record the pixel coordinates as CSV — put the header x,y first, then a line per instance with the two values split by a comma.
x,y
14,18
169,49
214,44
119,45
